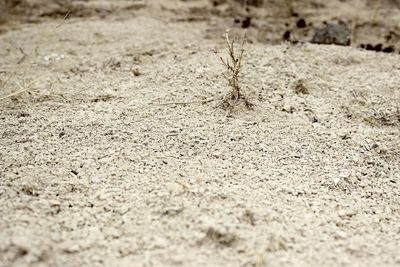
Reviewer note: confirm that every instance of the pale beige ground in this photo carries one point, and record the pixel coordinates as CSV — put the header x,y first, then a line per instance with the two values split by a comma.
x,y
99,167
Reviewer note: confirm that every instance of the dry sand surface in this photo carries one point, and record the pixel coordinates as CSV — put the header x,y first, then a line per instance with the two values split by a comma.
x,y
109,157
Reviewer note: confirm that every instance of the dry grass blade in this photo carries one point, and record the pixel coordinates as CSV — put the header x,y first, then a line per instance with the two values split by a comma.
x,y
188,103
25,56
6,81
21,90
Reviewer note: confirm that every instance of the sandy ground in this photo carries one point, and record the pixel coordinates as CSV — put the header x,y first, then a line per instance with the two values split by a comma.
x,y
103,164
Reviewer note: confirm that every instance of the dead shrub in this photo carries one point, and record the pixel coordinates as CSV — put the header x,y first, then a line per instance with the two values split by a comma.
x,y
232,74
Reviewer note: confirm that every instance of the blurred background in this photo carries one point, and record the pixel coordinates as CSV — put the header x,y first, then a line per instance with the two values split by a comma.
x,y
367,24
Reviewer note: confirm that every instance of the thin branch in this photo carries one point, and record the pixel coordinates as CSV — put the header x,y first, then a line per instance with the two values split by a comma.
x,y
14,94
233,66
22,89
187,103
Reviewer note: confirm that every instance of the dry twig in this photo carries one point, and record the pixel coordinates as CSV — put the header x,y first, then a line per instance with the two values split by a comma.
x,y
188,103
232,74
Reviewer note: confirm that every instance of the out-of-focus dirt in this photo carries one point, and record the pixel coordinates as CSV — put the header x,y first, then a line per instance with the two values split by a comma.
x,y
374,25
112,152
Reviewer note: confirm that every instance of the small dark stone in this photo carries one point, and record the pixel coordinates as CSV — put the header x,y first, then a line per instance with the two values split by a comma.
x,y
301,88
378,47
23,115
369,47
332,34
246,23
236,20
301,23
136,72
286,36
388,49
61,134
362,46
255,3
345,136
74,172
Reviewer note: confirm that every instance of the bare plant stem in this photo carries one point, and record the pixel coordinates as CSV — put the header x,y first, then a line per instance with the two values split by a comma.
x,y
233,66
